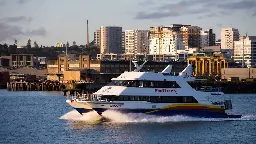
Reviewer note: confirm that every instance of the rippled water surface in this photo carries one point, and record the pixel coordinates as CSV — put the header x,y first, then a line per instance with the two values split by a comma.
x,y
41,117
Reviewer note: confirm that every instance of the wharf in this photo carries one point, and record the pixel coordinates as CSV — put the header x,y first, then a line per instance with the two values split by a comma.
x,y
34,86
229,87
83,88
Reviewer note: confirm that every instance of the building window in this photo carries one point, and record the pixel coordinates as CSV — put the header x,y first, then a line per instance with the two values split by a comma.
x,y
28,58
13,58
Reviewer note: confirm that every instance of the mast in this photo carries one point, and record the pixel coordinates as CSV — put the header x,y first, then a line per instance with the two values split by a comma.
x,y
88,47
87,34
67,49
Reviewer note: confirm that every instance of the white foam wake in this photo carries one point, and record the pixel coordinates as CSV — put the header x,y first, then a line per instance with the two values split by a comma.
x,y
117,117
76,116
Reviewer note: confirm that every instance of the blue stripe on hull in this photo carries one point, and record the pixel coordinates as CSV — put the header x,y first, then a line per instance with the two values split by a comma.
x,y
83,110
162,112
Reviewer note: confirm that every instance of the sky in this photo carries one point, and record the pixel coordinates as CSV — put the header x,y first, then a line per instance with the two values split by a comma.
x,y
50,21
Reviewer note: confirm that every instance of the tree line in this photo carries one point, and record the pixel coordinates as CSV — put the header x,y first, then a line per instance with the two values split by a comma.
x,y
43,51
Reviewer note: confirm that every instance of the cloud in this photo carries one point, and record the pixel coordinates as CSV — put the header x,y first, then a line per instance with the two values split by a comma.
x,y
164,14
36,32
219,25
9,31
16,19
254,14
239,5
22,1
205,8
183,7
210,15
155,15
2,3
147,2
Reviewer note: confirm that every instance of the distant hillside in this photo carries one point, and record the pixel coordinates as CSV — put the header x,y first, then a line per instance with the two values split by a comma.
x,y
48,51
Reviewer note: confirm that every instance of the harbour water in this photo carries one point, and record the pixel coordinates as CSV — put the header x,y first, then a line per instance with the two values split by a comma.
x,y
43,117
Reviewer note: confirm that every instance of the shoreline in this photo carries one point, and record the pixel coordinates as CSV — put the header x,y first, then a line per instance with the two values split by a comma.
x,y
237,87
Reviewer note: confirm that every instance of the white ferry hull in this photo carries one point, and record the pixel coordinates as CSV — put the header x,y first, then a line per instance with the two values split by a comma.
x,y
186,109
81,107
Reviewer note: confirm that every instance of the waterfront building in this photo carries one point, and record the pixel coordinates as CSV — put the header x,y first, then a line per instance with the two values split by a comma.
x,y
245,51
228,36
61,44
238,73
180,57
208,65
110,39
99,69
4,78
163,40
19,60
20,47
136,41
4,62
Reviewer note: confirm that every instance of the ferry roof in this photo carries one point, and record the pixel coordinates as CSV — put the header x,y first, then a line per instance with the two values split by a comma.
x,y
145,76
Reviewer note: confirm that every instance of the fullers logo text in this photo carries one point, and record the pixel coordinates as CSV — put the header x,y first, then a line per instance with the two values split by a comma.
x,y
164,90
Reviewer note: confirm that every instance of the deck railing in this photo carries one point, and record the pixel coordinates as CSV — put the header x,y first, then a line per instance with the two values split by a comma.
x,y
210,89
81,97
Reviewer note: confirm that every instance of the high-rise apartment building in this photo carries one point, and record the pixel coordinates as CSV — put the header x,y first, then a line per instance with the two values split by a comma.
x,y
191,36
176,27
212,38
207,38
228,36
111,39
123,42
163,40
97,38
136,41
244,51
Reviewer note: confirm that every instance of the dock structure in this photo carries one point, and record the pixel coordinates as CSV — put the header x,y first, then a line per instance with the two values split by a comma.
x,y
80,89
34,86
208,65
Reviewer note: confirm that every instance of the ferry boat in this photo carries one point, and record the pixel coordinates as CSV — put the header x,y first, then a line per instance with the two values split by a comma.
x,y
155,93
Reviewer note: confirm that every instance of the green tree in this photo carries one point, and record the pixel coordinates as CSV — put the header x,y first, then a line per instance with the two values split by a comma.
x,y
67,44
35,45
74,43
92,43
29,44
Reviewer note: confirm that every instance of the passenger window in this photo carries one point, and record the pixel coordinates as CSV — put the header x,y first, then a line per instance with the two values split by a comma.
x,y
126,98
